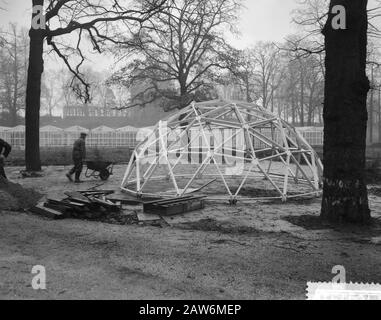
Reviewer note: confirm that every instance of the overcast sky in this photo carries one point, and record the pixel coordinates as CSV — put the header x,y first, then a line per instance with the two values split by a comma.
x,y
268,20
262,20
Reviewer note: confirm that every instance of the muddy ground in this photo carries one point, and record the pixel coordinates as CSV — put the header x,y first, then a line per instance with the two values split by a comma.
x,y
257,251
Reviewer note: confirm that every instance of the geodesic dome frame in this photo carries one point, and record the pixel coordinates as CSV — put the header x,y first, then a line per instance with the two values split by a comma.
x,y
240,141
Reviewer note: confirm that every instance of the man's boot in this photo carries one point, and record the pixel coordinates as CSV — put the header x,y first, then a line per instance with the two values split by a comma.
x,y
77,180
68,175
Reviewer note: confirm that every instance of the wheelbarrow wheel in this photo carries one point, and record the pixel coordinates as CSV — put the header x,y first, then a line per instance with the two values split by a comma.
x,y
104,174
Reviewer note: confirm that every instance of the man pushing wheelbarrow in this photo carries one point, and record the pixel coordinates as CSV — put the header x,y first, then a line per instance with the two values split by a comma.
x,y
96,169
79,155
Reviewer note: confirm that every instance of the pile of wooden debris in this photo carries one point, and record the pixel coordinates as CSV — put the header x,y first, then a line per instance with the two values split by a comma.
x,y
81,204
104,206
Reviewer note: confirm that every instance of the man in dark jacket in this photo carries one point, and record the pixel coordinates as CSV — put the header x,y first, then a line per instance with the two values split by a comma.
x,y
5,149
79,154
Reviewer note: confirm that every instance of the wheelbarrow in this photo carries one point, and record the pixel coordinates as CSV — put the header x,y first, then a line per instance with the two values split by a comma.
x,y
99,169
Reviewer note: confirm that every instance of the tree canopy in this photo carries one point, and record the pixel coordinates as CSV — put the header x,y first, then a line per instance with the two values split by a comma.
x,y
179,51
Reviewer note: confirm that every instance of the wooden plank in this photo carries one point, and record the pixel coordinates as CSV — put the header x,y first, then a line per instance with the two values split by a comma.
x,y
174,208
77,207
46,212
175,200
65,202
146,217
166,207
108,205
189,217
97,192
78,197
77,204
129,202
60,208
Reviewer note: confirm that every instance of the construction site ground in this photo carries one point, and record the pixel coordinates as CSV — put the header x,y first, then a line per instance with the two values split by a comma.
x,y
249,251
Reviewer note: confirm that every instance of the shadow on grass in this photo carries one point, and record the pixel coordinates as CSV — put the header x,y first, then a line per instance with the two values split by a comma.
x,y
314,222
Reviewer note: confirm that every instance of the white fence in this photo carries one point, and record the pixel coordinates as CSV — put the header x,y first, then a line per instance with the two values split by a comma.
x,y
106,137
313,135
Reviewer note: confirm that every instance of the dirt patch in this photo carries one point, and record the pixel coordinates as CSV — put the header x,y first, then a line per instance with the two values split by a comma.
x,y
116,218
251,192
212,225
257,193
308,222
314,222
123,218
7,202
14,197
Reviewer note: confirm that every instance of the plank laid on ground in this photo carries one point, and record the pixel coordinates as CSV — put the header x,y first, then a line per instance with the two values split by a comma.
x,y
145,217
46,212
77,204
108,205
170,200
77,196
130,202
74,206
57,207
97,192
175,206
189,217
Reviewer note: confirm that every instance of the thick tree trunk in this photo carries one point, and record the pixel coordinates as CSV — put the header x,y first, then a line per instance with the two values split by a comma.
x,y
33,98
379,115
345,197
16,84
371,109
184,95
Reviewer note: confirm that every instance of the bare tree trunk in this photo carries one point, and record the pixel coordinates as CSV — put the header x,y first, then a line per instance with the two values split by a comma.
x,y
379,114
301,96
33,97
247,84
293,111
371,111
272,100
345,197
16,81
320,115
311,107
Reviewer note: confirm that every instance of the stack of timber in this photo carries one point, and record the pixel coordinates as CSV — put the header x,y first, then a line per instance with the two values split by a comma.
x,y
100,205
81,204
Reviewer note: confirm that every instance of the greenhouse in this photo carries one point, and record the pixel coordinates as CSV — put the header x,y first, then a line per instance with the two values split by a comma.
x,y
4,133
51,136
72,134
16,137
102,137
126,136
